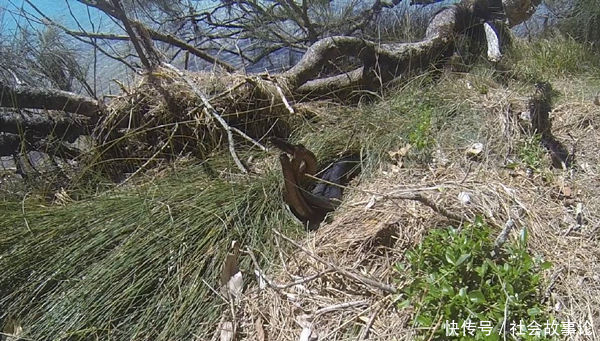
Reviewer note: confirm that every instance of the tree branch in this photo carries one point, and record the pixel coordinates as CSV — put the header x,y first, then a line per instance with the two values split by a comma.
x,y
35,98
104,6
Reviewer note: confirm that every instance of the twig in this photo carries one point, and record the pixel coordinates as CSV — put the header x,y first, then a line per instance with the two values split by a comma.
x,y
369,308
23,211
365,332
409,196
356,277
253,141
437,325
284,100
340,306
429,203
283,286
502,237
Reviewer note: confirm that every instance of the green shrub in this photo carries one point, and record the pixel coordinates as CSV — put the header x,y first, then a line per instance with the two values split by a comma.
x,y
455,278
532,153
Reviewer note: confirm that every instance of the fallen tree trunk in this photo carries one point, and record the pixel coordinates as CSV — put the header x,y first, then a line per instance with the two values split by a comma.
x,y
51,99
166,110
380,62
28,123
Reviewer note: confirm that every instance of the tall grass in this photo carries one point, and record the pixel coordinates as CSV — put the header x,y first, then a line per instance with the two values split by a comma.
x,y
552,57
584,21
135,264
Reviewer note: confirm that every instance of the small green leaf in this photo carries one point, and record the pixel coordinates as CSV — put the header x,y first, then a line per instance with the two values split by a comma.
x,y
476,296
450,257
523,236
546,265
462,258
404,304
447,290
424,321
509,288
533,311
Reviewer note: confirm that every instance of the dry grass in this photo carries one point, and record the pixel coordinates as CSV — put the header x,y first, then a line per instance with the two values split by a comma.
x,y
372,230
162,118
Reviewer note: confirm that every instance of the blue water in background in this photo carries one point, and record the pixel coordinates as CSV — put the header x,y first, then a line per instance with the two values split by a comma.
x,y
57,10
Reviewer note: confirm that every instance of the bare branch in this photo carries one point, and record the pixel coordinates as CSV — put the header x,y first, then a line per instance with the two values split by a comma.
x,y
165,38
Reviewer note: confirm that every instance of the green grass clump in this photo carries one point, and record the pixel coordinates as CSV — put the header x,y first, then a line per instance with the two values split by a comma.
x,y
411,114
532,153
455,278
140,263
553,57
134,264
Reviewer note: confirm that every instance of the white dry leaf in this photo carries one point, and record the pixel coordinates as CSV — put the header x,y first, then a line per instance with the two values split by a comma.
x,y
260,331
404,150
305,334
475,150
464,198
525,116
260,279
371,203
231,277
557,306
235,286
305,321
226,331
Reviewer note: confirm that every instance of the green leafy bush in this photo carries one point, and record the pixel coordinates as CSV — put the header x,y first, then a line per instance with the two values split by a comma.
x,y
456,278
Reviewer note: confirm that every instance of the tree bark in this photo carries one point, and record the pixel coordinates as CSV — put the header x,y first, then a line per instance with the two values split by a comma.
x,y
36,98
380,62
23,122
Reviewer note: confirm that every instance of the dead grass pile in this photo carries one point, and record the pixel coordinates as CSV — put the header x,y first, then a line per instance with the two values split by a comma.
x,y
339,283
164,117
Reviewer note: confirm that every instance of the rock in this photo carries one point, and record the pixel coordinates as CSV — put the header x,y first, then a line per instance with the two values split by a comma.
x,y
9,143
518,11
7,164
525,116
464,198
475,150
